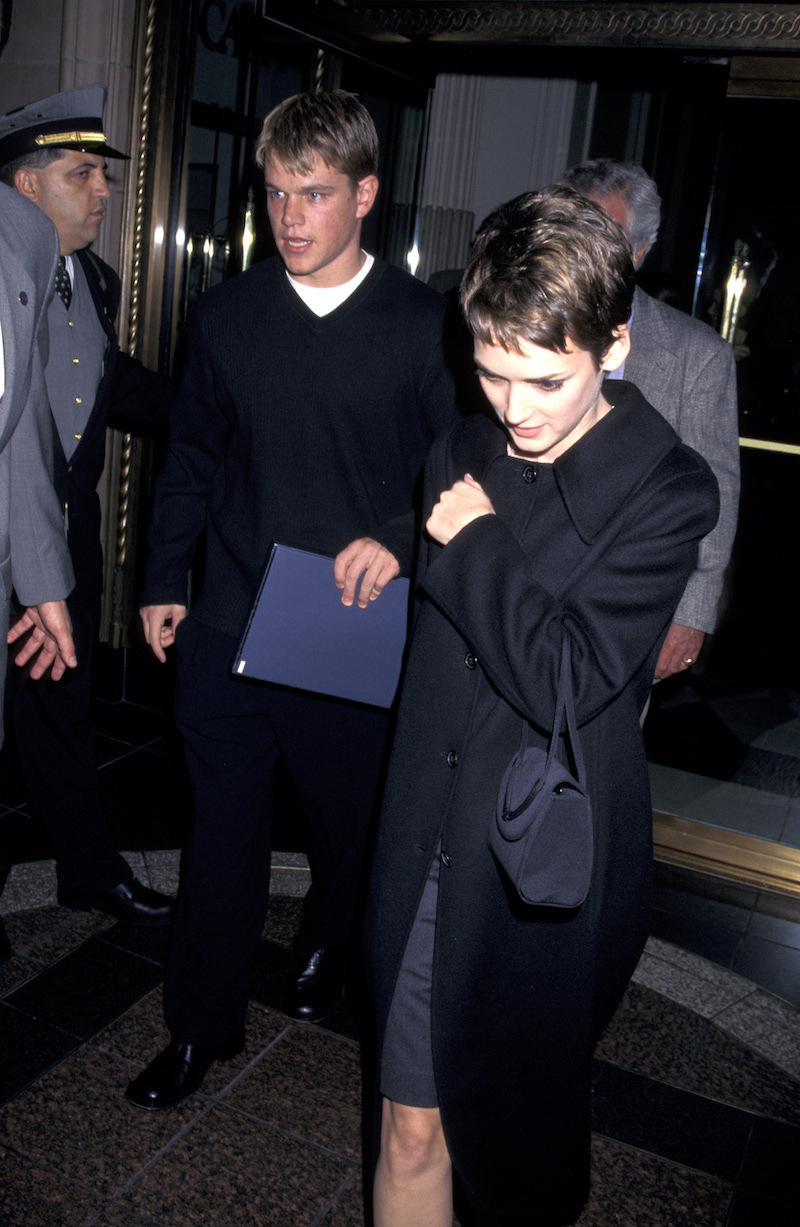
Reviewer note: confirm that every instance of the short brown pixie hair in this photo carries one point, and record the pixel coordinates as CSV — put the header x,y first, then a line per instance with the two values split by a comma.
x,y
549,268
332,125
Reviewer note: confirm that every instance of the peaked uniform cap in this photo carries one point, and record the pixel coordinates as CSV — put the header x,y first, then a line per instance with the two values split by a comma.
x,y
72,119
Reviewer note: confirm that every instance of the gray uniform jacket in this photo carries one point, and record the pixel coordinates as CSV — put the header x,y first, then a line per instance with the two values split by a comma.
x,y
34,559
688,373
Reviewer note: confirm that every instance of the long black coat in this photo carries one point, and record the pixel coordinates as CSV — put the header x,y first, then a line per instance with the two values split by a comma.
x,y
597,546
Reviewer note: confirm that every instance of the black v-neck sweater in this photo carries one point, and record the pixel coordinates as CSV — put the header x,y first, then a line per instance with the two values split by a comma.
x,y
296,429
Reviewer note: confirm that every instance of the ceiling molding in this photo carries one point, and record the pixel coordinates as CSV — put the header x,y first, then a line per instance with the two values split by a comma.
x,y
721,29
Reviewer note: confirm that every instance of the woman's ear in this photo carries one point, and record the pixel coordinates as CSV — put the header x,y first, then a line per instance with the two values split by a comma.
x,y
618,350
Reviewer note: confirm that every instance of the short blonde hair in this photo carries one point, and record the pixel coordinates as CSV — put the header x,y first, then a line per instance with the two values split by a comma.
x,y
334,126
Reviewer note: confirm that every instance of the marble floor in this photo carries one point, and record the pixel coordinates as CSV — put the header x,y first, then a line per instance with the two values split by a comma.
x,y
697,1079
696,1091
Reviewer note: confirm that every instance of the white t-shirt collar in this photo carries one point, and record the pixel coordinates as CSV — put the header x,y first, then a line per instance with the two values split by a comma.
x,y
324,299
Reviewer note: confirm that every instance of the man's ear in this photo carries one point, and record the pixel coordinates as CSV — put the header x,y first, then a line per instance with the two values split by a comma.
x,y
27,183
366,191
618,350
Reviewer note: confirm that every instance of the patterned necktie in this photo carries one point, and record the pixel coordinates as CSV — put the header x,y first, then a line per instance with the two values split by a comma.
x,y
63,283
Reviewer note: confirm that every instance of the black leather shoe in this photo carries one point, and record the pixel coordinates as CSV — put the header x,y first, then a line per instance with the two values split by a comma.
x,y
319,987
176,1073
128,901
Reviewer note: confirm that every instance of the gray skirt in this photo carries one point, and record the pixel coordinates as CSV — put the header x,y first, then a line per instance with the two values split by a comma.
x,y
407,1060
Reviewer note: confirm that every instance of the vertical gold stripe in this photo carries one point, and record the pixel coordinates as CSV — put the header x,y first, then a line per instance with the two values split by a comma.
x,y
119,610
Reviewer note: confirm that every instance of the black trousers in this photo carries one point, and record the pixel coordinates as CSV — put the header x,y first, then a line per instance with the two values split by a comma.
x,y
235,731
54,739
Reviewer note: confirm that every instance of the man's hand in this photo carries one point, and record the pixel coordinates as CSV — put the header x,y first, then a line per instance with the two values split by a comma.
x,y
681,649
50,639
160,623
374,560
457,507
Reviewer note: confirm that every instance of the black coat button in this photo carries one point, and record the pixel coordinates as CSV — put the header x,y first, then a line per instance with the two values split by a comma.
x,y
452,758
470,660
529,473
444,857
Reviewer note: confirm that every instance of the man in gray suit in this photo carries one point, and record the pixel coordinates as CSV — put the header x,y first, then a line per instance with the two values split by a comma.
x,y
34,559
688,373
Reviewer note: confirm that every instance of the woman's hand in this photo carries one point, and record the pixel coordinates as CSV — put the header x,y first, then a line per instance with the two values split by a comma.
x,y
457,507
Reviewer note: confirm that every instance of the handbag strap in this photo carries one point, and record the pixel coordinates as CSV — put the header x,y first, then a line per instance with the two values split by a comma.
x,y
564,705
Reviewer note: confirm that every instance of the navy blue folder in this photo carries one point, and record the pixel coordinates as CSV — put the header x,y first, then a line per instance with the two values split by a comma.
x,y
300,634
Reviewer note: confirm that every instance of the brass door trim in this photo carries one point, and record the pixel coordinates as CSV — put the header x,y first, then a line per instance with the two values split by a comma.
x,y
759,76
128,451
159,50
731,855
770,445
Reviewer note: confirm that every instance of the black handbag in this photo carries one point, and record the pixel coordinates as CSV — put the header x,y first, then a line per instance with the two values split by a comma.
x,y
542,832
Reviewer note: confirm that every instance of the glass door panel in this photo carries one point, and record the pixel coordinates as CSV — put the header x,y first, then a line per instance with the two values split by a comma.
x,y
724,743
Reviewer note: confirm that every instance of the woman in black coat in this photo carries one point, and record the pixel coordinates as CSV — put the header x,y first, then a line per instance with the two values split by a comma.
x,y
573,510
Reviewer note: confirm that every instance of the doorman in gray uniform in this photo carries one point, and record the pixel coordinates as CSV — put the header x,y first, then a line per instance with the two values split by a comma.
x,y
34,560
54,152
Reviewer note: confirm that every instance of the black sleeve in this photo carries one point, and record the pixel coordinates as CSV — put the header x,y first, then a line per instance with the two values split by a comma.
x,y
139,397
198,430
614,611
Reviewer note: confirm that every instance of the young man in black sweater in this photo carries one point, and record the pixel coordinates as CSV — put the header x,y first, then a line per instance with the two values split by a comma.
x,y
314,387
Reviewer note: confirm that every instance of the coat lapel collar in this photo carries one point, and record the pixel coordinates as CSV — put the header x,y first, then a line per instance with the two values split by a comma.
x,y
591,479
99,292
